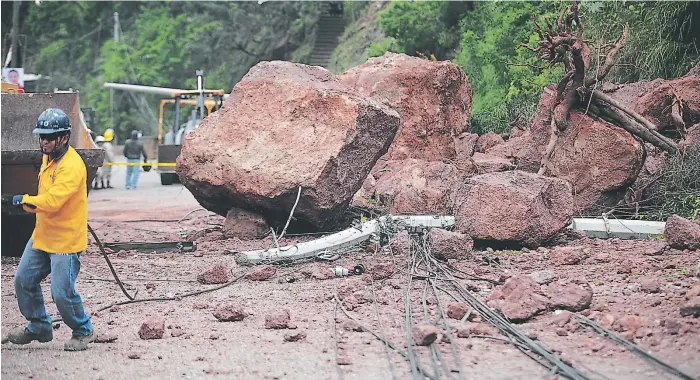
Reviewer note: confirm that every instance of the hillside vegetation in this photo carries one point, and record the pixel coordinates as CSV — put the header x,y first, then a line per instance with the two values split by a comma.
x,y
162,44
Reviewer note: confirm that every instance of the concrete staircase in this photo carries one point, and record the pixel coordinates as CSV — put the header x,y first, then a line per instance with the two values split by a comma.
x,y
330,28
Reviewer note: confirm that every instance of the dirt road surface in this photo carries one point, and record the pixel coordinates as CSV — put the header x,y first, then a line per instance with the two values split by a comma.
x,y
630,281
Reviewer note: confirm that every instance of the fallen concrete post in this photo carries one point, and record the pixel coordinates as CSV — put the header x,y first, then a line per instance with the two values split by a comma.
x,y
618,228
346,238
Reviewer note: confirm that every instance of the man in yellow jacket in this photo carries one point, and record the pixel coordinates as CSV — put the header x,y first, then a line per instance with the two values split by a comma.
x,y
60,235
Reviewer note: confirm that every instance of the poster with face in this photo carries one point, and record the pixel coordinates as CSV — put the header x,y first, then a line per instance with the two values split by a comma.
x,y
13,75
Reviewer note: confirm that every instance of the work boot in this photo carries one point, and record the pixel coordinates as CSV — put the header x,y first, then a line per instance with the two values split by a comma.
x,y
80,342
23,336
108,185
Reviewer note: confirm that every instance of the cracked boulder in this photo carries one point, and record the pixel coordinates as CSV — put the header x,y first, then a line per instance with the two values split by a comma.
x,y
513,207
433,99
286,126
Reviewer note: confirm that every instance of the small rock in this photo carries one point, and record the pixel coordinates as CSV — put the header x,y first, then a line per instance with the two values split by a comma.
x,y
230,313
218,274
214,336
105,338
693,292
352,326
318,272
468,329
649,286
561,332
574,295
680,233
595,345
629,335
624,268
261,273
295,337
134,356
381,270
643,332
481,329
278,319
691,308
424,334
629,323
343,359
457,310
519,299
543,276
568,255
560,318
176,332
152,328
200,305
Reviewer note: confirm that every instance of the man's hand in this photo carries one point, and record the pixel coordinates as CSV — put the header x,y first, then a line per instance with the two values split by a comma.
x,y
17,200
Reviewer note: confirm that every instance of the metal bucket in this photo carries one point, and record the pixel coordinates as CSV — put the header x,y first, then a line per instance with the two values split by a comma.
x,y
21,157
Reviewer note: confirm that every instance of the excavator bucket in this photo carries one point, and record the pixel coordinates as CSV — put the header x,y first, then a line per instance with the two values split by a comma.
x,y
21,157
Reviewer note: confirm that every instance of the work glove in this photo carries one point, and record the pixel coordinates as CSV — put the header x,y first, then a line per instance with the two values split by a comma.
x,y
17,200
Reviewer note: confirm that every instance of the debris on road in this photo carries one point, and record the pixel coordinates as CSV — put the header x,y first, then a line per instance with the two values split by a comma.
x,y
218,274
152,328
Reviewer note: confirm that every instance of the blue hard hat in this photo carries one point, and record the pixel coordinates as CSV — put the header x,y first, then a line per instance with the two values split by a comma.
x,y
53,120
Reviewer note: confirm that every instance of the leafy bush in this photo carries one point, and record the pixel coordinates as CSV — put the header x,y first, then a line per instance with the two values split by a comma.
x,y
519,109
431,26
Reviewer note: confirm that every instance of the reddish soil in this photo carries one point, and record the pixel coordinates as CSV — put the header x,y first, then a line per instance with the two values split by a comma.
x,y
636,285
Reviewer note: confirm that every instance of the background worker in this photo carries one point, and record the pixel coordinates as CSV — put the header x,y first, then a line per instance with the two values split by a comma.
x,y
99,181
59,236
109,156
133,149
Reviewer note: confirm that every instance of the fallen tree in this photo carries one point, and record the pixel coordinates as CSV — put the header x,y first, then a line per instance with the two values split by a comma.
x,y
563,43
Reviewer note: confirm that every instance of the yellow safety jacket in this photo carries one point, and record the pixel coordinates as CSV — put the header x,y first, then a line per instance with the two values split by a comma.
x,y
61,205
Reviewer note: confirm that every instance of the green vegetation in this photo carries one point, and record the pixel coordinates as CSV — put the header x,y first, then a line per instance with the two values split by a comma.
x,y
163,43
484,38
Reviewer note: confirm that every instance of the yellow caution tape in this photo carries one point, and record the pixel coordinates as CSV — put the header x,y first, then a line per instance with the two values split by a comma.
x,y
164,164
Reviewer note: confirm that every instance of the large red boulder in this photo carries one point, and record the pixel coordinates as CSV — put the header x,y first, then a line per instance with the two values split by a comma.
x,y
433,99
513,207
287,126
414,186
599,159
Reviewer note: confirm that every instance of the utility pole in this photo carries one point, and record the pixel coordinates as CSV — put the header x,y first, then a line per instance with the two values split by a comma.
x,y
116,28
14,32
111,91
